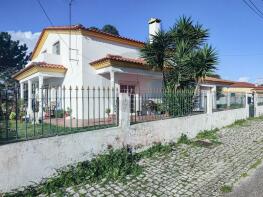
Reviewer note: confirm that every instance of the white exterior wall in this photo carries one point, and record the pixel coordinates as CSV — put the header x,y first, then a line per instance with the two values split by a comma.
x,y
94,49
259,111
81,74
30,161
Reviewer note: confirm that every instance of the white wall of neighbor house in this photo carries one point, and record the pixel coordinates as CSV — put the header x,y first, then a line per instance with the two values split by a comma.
x,y
48,154
258,108
259,111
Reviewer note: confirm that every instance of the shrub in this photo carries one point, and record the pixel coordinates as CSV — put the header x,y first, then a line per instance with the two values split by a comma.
x,y
60,113
184,139
12,116
108,111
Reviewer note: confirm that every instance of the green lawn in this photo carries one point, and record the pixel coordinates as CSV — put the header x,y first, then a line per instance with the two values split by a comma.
x,y
28,130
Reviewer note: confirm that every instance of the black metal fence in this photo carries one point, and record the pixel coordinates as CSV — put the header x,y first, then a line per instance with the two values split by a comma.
x,y
53,111
157,104
260,99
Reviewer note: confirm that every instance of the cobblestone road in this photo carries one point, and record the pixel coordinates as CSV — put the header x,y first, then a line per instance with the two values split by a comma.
x,y
190,170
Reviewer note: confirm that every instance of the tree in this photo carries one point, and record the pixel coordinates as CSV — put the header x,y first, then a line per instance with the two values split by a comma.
x,y
110,29
13,57
94,28
157,53
182,54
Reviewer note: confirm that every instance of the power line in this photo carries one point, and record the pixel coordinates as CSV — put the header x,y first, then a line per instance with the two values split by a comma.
x,y
261,13
254,8
52,24
44,11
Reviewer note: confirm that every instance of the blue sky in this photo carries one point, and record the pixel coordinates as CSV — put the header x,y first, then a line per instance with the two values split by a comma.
x,y
235,31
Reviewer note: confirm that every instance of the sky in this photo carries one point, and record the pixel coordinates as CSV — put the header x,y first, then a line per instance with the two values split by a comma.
x,y
235,30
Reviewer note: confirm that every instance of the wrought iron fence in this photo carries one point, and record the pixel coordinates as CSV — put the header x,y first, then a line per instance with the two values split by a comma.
x,y
260,99
157,104
50,111
225,101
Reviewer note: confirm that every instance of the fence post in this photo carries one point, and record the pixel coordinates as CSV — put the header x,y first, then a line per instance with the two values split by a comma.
x,y
255,104
247,105
209,103
228,99
124,111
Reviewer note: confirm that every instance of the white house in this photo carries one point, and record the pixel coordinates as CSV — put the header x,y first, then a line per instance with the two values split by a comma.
x,y
80,57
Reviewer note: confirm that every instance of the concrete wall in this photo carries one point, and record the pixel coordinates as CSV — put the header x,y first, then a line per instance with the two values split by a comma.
x,y
170,130
25,162
259,111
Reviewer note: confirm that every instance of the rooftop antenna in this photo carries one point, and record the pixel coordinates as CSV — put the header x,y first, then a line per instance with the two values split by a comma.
x,y
70,18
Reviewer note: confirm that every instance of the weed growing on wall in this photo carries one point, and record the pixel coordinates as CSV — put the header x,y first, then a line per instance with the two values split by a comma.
x,y
115,165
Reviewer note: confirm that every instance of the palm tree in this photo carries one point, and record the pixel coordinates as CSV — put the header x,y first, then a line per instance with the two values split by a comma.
x,y
157,52
184,51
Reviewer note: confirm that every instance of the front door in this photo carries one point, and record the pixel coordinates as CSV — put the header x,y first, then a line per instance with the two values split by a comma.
x,y
131,90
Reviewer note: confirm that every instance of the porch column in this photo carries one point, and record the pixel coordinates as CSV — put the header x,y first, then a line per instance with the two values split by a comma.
x,y
29,105
113,94
21,90
40,93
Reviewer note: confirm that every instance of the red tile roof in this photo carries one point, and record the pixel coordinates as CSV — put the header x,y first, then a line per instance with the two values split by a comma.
x,y
243,85
258,88
81,27
39,64
217,80
120,58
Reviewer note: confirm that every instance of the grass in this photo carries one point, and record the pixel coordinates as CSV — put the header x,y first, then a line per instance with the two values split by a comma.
x,y
206,134
239,123
226,188
256,164
244,122
27,130
210,135
158,148
244,174
184,140
114,165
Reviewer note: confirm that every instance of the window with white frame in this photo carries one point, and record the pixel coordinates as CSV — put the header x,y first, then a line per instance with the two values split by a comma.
x,y
56,48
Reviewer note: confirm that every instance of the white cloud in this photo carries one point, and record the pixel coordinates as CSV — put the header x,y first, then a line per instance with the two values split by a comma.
x,y
26,37
243,79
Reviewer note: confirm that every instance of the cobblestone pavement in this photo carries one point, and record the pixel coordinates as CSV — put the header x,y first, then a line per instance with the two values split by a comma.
x,y
190,170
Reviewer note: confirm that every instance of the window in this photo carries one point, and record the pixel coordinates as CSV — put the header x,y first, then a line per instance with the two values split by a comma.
x,y
56,48
45,51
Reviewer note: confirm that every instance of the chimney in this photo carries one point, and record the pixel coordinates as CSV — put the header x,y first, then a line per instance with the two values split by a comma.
x,y
154,27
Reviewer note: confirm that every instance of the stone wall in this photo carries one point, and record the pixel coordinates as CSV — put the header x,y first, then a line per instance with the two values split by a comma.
x,y
25,162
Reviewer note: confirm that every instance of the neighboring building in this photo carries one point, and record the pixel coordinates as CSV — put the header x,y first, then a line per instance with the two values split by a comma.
x,y
240,87
81,57
214,85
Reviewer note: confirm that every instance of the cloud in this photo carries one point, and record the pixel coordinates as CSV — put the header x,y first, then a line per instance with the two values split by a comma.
x,y
26,37
243,79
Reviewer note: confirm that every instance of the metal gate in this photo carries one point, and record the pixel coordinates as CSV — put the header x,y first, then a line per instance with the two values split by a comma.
x,y
251,104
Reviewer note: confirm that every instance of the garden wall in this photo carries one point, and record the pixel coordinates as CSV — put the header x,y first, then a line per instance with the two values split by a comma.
x,y
25,162
259,110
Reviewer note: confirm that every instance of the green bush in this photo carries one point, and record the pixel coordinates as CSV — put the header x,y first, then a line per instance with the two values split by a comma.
x,y
60,113
179,103
12,116
184,139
